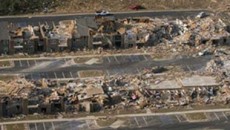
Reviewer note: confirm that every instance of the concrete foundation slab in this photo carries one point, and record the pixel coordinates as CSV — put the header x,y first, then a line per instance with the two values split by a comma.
x,y
167,84
199,81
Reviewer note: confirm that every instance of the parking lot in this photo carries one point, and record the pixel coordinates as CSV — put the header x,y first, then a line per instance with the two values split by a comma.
x,y
50,75
30,63
145,121
130,122
63,125
153,120
66,68
122,59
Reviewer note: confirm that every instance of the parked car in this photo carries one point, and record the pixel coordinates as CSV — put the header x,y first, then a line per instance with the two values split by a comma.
x,y
137,7
202,15
102,13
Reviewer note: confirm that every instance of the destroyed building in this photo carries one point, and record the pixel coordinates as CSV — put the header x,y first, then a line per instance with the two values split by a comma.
x,y
152,88
24,39
58,37
120,92
109,32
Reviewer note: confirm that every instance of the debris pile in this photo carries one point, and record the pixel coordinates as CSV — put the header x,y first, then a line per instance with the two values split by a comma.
x,y
147,90
193,32
204,30
156,88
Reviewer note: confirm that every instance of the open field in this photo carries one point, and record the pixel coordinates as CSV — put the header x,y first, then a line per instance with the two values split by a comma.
x,y
73,6
125,5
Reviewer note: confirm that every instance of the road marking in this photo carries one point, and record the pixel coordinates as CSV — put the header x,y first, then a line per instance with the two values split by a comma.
x,y
138,70
95,123
145,57
26,126
116,59
47,76
208,116
39,76
178,118
145,120
55,75
44,125
31,75
189,68
23,75
36,127
65,60
20,63
136,121
63,75
2,127
28,63
107,72
35,62
87,123
216,116
225,115
71,74
108,59
53,125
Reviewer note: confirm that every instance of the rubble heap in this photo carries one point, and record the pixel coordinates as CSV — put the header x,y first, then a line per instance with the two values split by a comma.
x,y
203,30
113,93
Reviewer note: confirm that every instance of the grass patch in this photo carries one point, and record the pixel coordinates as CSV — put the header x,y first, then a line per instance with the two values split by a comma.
x,y
82,60
103,122
19,56
5,63
39,117
15,127
196,116
90,73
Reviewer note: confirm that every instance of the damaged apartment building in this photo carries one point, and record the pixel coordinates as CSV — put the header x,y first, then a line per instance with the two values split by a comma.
x,y
109,32
93,32
20,96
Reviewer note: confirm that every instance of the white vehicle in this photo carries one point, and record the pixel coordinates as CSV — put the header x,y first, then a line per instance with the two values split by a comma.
x,y
102,13
202,15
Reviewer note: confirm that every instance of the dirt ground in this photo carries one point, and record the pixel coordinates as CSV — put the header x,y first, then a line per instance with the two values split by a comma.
x,y
90,73
196,116
15,127
125,5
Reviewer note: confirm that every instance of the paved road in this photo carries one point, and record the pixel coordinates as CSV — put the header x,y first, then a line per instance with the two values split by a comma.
x,y
148,121
111,65
35,19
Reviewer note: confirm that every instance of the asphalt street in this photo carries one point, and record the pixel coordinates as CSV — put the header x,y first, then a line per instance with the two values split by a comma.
x,y
34,20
